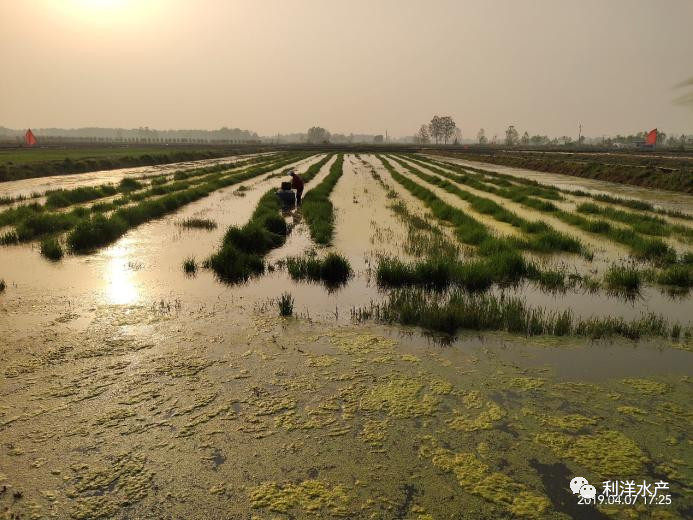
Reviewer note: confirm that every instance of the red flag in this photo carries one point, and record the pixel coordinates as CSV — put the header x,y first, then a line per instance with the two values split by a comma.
x,y
651,137
30,138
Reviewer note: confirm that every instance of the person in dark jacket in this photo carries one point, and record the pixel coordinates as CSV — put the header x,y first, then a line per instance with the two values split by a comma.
x,y
297,184
286,196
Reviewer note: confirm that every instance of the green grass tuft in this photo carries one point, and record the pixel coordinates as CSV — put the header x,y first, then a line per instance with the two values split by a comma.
x,y
190,265
285,303
623,278
198,223
455,310
51,249
334,269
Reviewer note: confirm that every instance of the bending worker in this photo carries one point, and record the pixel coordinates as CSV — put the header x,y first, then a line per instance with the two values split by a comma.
x,y
286,196
297,184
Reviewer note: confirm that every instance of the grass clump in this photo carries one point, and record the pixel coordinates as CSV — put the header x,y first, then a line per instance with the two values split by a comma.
x,y
317,208
286,304
128,184
64,198
190,265
198,223
334,269
624,278
51,249
3,285
436,274
458,310
243,248
676,275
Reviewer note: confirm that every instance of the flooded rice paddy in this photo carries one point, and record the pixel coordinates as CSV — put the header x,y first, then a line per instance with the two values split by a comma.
x,y
132,390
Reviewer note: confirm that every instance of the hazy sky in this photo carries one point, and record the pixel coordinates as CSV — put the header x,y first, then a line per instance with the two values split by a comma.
x,y
350,66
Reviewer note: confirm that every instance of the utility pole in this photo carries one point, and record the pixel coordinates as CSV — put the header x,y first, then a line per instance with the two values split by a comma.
x,y
580,134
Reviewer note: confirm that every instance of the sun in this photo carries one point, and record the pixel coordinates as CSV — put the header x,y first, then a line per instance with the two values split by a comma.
x,y
101,4
106,13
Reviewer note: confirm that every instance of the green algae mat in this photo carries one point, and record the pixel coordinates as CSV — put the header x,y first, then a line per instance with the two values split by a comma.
x,y
267,418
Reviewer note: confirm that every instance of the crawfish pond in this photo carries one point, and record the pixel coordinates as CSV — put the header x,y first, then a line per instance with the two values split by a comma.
x,y
427,338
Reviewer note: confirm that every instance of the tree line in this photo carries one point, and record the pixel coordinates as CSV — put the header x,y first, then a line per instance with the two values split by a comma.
x,y
441,129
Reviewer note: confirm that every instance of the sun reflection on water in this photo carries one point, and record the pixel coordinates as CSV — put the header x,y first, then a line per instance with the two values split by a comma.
x,y
121,288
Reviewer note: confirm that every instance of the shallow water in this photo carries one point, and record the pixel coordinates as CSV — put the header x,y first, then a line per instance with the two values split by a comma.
x,y
129,390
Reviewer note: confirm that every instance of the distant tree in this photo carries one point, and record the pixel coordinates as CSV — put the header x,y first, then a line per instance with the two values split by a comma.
x,y
661,138
317,135
458,136
435,128
495,139
537,140
378,139
525,139
672,141
422,136
447,128
511,136
481,136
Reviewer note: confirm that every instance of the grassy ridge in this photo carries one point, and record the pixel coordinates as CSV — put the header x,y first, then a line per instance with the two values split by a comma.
x,y
317,208
650,249
542,237
31,163
602,197
99,230
33,221
641,223
242,250
646,175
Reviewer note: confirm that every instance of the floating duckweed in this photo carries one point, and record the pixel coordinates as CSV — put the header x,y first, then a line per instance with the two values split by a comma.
x,y
273,404
646,386
411,358
321,361
483,421
400,397
609,454
360,343
310,496
317,419
440,387
126,480
374,432
631,410
475,477
570,422
526,383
